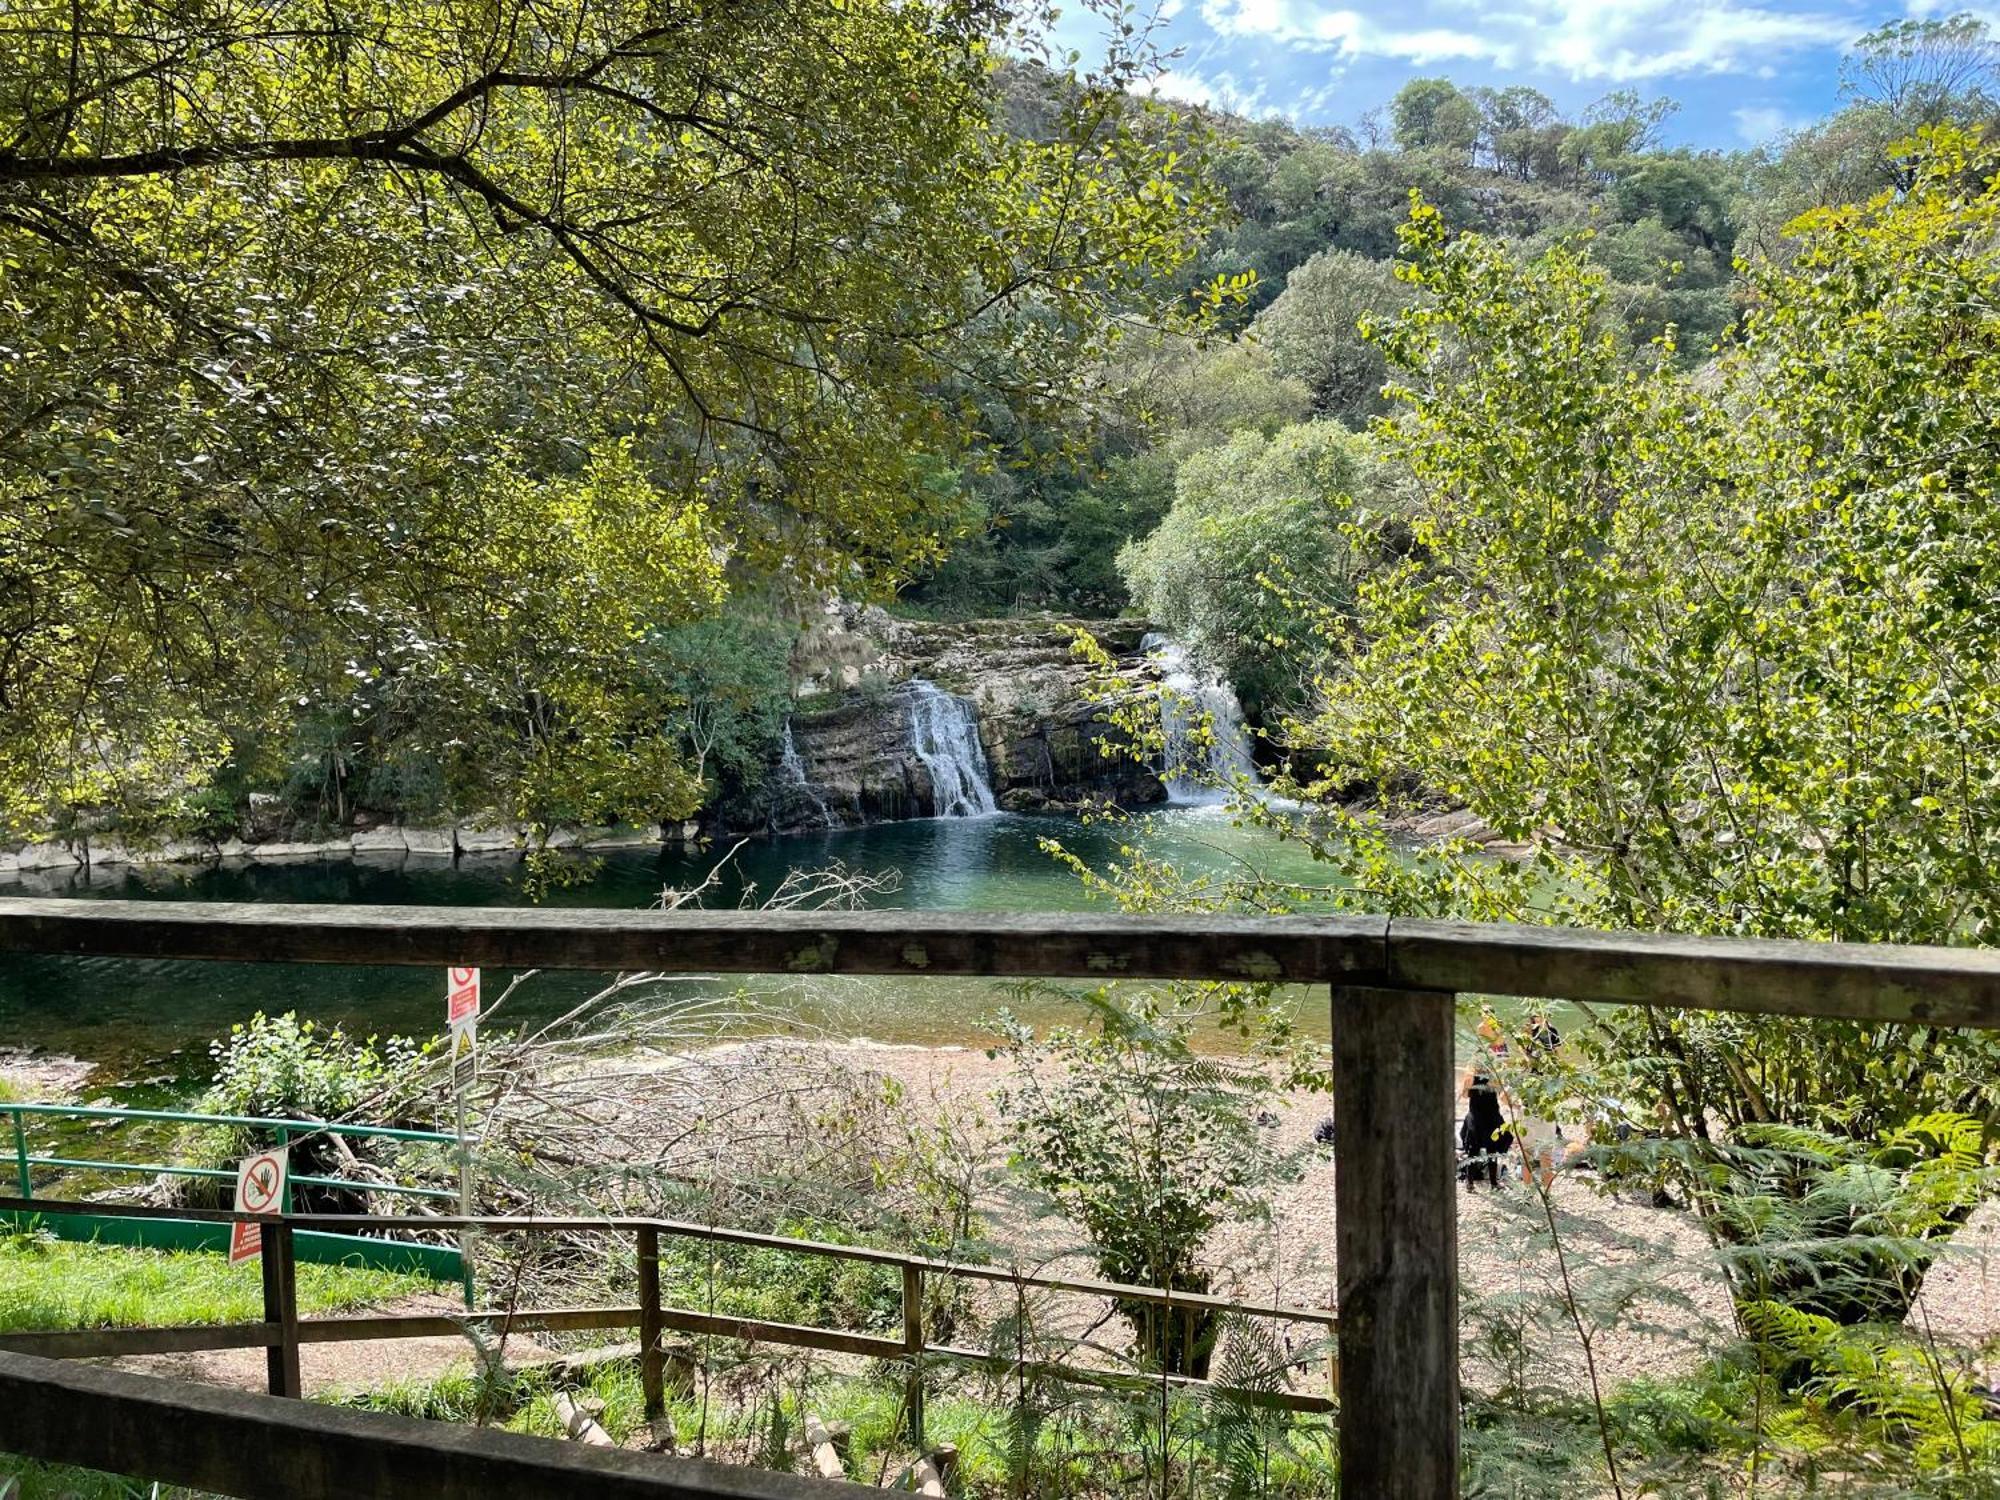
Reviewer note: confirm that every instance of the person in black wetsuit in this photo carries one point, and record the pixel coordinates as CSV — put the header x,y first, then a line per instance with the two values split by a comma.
x,y
1483,1135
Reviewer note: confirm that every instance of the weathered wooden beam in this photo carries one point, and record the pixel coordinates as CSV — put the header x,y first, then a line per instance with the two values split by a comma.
x,y
1395,1245
1851,981
652,1360
98,1343
522,1224
913,1351
820,1447
927,1476
265,1448
93,1343
1130,1380
1939,986
790,1335
281,1308
1073,945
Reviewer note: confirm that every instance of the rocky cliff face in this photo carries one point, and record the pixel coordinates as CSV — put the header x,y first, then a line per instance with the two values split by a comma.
x,y
864,679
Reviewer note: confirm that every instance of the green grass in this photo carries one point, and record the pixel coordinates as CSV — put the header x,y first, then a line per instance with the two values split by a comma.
x,y
51,1284
61,1482
1078,1454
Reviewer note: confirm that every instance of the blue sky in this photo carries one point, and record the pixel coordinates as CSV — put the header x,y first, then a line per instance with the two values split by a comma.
x,y
1742,70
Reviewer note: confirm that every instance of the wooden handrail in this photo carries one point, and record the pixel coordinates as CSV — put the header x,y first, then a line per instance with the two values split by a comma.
x,y
1393,987
265,1448
686,1229
283,1332
1854,981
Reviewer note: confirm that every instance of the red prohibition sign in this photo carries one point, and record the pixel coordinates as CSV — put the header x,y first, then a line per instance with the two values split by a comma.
x,y
461,977
261,1180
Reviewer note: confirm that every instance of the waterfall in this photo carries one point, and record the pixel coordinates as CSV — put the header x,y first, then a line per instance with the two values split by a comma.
x,y
795,774
1194,707
945,737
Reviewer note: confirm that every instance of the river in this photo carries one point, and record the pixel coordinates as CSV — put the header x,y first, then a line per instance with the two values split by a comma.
x,y
147,1023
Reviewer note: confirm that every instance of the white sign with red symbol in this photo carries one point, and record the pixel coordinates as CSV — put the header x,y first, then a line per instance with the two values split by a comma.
x,y
260,1189
461,996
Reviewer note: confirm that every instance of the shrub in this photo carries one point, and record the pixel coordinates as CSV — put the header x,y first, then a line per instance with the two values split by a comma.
x,y
1146,1144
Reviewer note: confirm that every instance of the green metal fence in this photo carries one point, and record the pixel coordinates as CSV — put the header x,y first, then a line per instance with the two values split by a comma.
x,y
439,1262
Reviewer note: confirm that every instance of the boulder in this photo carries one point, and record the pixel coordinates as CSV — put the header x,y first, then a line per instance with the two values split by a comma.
x,y
619,838
287,849
381,841
170,852
108,852
493,838
268,815
49,856
430,843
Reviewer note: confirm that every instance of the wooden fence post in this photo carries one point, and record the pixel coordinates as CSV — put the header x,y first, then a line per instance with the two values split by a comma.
x,y
281,1306
913,1345
652,1359
1396,1243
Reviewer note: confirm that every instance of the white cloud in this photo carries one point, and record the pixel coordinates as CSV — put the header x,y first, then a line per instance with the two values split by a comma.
x,y
1614,41
1758,123
1221,91
1304,24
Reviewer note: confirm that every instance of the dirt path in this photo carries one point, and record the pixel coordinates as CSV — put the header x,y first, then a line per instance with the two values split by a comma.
x,y
329,1368
1646,1278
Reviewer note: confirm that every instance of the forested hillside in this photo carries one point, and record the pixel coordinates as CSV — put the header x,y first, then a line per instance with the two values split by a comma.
x,y
1314,217
457,466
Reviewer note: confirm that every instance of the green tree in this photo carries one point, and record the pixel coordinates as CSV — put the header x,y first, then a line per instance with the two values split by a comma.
x,y
1146,1143
445,348
1718,648
726,682
1925,71
1522,131
1260,526
1684,192
1432,114
1314,331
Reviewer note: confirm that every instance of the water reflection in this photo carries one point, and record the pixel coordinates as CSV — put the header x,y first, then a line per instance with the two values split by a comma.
x,y
145,1018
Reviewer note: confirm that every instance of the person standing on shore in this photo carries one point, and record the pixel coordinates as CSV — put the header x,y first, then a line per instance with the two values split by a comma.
x,y
1483,1134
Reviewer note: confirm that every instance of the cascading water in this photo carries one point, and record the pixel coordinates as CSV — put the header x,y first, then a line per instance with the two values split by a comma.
x,y
795,774
945,736
1207,747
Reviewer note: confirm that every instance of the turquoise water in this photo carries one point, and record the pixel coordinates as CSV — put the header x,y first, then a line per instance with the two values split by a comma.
x,y
151,1020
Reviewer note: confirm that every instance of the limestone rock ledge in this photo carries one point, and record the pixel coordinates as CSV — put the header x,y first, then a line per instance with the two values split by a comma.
x,y
1047,742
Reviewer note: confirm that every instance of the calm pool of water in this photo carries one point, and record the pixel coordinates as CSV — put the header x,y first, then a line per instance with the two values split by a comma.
x,y
145,1019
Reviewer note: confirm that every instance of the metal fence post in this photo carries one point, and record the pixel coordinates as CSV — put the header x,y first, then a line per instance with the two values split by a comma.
x,y
913,1346
1396,1243
285,1145
21,1156
281,1306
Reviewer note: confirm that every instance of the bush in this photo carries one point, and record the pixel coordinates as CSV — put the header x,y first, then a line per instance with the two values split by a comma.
x,y
279,1067
282,1067
1146,1144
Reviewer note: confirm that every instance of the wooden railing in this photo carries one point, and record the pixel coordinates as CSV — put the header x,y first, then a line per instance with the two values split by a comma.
x,y
1393,990
282,1332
